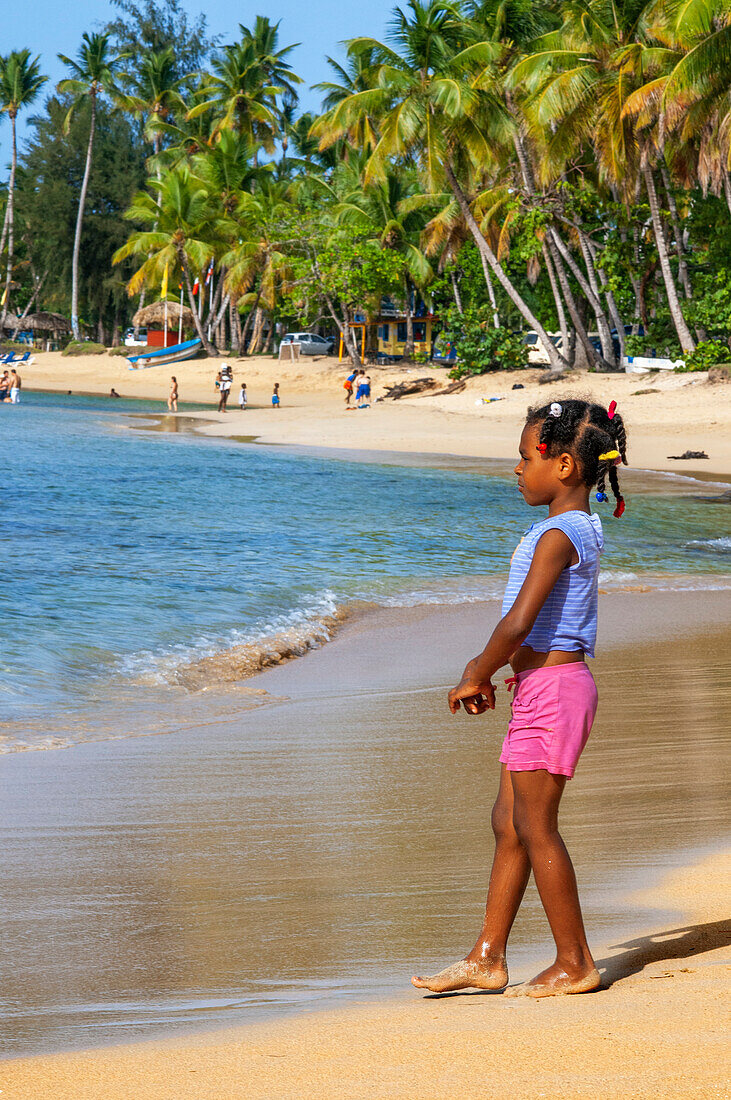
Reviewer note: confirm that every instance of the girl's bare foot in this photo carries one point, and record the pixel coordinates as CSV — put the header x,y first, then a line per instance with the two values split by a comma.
x,y
556,982
466,974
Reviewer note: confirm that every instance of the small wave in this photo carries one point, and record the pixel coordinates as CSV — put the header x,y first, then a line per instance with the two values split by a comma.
x,y
241,655
719,546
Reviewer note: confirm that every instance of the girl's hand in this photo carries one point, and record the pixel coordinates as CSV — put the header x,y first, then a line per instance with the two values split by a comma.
x,y
475,697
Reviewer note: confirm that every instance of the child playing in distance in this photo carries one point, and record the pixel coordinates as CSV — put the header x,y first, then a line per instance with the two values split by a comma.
x,y
362,400
243,399
548,627
348,385
275,396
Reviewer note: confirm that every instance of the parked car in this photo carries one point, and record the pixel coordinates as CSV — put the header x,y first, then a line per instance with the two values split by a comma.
x,y
310,343
132,341
537,354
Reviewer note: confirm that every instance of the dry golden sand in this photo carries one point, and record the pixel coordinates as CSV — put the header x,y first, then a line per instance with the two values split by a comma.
x,y
682,412
658,1031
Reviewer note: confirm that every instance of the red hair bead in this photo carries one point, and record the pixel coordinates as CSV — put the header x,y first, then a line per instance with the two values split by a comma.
x,y
543,447
619,510
612,409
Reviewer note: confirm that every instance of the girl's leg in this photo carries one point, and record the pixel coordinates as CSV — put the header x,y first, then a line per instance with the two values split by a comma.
x,y
485,966
535,808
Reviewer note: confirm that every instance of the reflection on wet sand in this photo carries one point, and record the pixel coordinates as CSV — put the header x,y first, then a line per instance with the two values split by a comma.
x,y
321,848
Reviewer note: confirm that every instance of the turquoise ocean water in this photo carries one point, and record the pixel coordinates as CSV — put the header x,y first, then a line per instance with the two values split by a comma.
x,y
130,555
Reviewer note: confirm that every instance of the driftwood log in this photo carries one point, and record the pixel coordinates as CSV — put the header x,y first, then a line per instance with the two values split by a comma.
x,y
423,386
411,386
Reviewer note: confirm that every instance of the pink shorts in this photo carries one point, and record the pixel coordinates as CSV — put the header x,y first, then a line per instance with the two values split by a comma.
x,y
553,712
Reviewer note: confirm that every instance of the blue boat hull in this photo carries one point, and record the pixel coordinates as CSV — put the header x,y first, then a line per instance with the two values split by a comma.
x,y
174,354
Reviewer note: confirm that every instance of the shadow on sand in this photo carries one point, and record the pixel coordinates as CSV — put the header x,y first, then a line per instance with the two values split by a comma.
x,y
671,945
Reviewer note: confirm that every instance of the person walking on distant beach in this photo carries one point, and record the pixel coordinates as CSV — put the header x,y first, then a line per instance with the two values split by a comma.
x,y
173,396
243,398
362,398
547,629
16,384
275,396
226,380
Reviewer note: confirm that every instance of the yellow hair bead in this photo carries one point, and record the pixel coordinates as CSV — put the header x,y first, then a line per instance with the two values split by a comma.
x,y
608,455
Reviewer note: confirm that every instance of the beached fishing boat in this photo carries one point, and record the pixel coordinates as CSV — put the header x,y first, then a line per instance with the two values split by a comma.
x,y
176,353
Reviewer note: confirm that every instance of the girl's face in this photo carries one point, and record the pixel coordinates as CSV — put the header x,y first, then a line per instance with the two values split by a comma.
x,y
540,476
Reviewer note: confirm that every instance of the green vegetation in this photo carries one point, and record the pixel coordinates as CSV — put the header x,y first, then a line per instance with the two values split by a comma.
x,y
511,164
83,347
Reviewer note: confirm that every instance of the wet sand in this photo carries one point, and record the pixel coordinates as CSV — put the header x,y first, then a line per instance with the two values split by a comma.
x,y
658,1031
318,851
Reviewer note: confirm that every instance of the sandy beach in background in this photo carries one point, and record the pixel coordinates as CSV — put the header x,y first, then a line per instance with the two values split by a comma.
x,y
660,1030
679,412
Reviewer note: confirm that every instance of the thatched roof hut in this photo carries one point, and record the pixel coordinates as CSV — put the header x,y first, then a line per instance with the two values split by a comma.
x,y
154,314
47,322
12,321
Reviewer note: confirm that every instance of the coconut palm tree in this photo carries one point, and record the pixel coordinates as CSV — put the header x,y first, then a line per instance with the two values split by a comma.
x,y
356,76
93,75
432,106
581,79
152,92
20,83
257,259
247,80
184,234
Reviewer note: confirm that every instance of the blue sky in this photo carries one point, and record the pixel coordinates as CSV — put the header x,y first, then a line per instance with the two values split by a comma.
x,y
48,27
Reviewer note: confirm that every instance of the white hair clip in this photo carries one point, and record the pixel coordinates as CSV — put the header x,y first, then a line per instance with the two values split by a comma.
x,y
555,409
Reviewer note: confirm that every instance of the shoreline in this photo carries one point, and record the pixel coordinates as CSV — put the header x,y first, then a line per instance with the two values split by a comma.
x,y
669,415
654,1029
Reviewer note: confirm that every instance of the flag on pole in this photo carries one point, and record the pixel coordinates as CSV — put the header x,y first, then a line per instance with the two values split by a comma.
x,y
209,272
164,287
195,287
4,297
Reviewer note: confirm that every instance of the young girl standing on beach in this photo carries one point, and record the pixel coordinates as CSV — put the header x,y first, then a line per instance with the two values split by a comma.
x,y
548,627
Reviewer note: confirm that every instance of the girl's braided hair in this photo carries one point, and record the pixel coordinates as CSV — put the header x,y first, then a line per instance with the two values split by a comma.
x,y
595,436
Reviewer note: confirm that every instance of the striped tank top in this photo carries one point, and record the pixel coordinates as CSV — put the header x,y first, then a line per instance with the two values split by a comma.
x,y
568,618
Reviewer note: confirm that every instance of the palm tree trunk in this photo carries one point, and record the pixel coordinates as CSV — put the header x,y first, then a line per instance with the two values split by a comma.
x,y
210,350
4,233
557,361
676,312
11,225
235,330
455,291
585,287
677,232
270,336
490,292
256,334
79,221
602,321
556,291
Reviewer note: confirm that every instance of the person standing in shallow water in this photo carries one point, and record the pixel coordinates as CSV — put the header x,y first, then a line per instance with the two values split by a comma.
x,y
547,629
173,396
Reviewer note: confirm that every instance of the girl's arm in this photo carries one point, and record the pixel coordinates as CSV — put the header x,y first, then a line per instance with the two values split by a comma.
x,y
554,552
